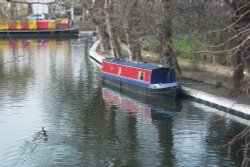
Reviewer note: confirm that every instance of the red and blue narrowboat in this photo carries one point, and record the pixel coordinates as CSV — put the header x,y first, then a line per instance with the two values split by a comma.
x,y
147,79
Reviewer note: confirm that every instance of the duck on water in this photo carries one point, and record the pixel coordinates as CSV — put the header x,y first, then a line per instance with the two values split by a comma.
x,y
43,133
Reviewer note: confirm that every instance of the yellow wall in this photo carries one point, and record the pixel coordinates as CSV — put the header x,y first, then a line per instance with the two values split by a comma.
x,y
51,24
62,21
4,25
18,24
32,24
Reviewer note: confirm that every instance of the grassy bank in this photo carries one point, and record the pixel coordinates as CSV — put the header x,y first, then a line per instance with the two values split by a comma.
x,y
188,48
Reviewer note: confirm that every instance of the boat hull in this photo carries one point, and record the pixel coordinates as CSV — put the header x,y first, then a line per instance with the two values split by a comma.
x,y
123,85
73,32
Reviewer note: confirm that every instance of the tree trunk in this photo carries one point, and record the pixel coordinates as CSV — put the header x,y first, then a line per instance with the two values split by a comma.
x,y
98,17
240,18
133,44
238,71
30,9
113,39
246,51
13,9
103,36
132,30
167,55
248,63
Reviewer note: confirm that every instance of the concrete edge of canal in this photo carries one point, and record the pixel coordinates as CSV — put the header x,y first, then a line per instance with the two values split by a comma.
x,y
231,107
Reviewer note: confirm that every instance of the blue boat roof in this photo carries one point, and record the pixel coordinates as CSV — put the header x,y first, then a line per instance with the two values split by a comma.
x,y
132,64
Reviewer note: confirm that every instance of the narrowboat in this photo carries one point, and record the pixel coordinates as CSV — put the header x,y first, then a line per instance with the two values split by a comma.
x,y
143,78
37,28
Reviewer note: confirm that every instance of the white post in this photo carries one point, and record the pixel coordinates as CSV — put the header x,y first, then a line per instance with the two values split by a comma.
x,y
72,13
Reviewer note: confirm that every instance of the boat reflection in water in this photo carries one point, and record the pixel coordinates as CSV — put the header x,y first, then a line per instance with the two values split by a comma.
x,y
148,107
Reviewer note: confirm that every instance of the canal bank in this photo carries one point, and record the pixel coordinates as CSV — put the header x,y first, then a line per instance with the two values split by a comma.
x,y
215,98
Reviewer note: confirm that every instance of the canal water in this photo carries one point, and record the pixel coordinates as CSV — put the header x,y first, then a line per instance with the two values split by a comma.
x,y
53,83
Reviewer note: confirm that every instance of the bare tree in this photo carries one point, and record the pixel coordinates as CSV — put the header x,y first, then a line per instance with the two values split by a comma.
x,y
243,137
241,58
97,14
133,27
112,31
161,15
241,52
